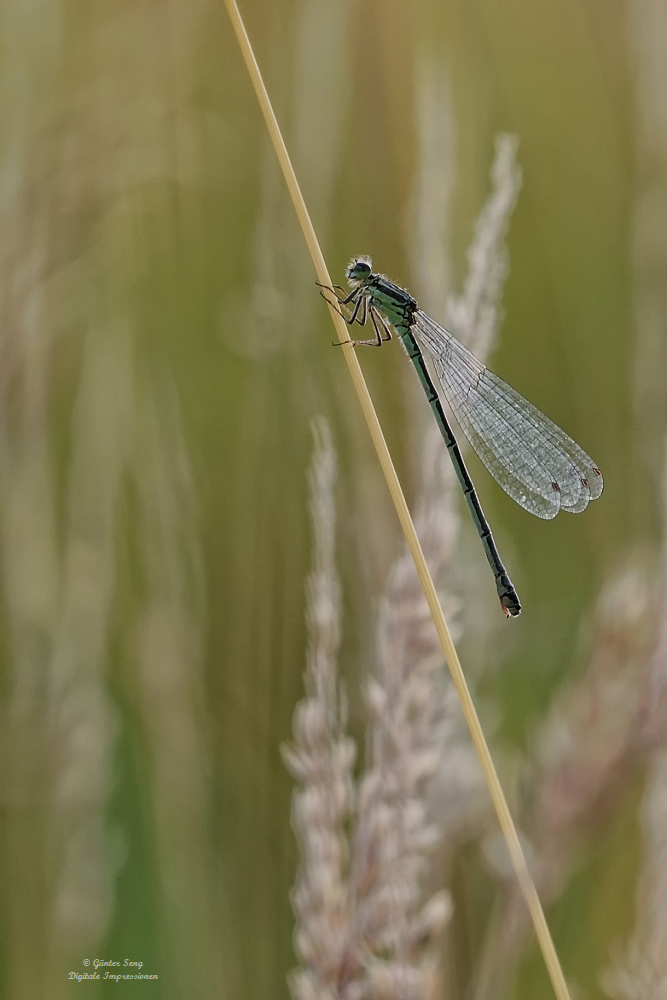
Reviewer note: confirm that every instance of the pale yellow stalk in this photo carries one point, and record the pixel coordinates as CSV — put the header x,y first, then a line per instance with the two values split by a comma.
x,y
516,853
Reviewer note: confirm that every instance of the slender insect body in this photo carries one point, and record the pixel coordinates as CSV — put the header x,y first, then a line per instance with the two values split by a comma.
x,y
534,461
404,340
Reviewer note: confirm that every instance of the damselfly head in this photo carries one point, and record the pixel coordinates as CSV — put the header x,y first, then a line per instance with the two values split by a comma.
x,y
358,270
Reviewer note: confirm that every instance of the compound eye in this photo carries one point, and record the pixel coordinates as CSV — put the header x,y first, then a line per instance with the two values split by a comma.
x,y
359,269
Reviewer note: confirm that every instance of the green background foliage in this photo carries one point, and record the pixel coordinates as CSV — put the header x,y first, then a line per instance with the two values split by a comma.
x,y
164,349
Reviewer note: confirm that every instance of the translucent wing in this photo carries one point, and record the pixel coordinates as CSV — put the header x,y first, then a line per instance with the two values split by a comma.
x,y
537,463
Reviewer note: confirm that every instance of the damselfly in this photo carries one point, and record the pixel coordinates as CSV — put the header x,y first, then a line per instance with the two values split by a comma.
x,y
537,463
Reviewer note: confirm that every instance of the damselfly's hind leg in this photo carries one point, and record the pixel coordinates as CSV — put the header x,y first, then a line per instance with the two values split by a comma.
x,y
360,316
378,317
379,339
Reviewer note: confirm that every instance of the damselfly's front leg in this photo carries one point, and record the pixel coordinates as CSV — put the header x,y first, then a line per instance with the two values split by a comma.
x,y
338,301
342,301
337,306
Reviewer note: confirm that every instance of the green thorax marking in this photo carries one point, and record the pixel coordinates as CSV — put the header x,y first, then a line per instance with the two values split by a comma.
x,y
395,304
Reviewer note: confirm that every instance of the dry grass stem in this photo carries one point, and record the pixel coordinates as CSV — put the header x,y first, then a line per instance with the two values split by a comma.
x,y
371,932
514,846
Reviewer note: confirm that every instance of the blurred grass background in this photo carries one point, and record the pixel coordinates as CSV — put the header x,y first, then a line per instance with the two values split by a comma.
x,y
163,351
